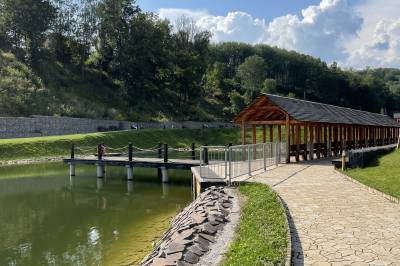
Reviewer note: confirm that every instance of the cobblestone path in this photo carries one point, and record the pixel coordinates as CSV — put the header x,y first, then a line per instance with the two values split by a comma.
x,y
335,221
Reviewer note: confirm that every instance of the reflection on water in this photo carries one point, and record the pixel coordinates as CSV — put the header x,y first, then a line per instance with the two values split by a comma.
x,y
48,218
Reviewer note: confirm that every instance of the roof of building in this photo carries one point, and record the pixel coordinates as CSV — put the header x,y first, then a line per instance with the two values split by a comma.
x,y
308,111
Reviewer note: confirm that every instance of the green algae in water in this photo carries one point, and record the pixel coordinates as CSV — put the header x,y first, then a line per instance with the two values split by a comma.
x,y
49,219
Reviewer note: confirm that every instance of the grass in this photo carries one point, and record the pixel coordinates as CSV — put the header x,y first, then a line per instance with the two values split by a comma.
x,y
383,175
28,148
262,234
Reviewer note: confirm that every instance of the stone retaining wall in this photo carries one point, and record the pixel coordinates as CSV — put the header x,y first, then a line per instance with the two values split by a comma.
x,y
35,126
193,230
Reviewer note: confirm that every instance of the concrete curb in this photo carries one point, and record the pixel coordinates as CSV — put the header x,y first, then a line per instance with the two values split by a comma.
x,y
369,189
288,260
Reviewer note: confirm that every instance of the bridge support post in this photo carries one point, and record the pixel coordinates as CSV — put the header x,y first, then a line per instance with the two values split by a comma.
x,y
164,175
129,172
129,187
164,190
72,169
100,170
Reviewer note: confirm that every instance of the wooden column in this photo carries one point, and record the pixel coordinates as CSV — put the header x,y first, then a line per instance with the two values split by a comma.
x,y
374,136
271,133
263,134
318,137
335,140
279,133
287,136
311,142
254,134
305,154
297,143
325,141
243,133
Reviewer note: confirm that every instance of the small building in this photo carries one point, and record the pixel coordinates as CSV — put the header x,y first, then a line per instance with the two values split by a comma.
x,y
314,129
396,117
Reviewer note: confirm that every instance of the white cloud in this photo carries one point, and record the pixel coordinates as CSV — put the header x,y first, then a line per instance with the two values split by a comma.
x,y
378,41
382,48
173,14
367,34
236,26
321,31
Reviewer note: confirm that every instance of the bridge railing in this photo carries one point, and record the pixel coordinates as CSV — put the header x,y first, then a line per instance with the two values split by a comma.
x,y
230,162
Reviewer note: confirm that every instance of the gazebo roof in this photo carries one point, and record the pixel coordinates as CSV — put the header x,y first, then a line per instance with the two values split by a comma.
x,y
268,107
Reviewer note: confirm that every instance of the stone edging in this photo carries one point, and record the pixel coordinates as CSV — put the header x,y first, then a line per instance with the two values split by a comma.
x,y
32,161
369,189
193,231
289,252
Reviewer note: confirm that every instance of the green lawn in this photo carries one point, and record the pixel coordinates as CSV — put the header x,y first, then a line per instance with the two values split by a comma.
x,y
262,233
383,176
28,148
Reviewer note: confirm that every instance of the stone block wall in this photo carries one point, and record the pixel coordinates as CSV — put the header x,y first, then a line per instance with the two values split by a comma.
x,y
36,126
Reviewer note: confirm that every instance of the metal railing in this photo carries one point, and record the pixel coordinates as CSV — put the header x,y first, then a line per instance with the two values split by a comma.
x,y
362,157
227,163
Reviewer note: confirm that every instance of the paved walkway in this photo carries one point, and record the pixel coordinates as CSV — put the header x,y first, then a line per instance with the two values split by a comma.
x,y
335,221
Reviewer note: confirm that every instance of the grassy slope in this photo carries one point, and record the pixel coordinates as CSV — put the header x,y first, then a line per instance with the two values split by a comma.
x,y
384,176
261,237
24,148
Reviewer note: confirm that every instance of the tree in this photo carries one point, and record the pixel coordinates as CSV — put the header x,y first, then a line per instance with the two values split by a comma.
x,y
252,73
26,23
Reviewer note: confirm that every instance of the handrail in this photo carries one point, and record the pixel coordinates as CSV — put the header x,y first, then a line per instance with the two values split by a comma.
x,y
229,162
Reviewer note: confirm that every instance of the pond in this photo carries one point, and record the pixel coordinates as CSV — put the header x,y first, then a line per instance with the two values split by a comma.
x,y
48,218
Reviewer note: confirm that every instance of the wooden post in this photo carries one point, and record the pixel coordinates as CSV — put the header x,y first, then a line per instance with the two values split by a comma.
x,y
297,143
335,137
72,151
311,142
305,154
99,152
243,133
318,137
271,133
279,133
264,137
160,150
254,134
130,152
165,153
344,161
193,151
325,142
287,138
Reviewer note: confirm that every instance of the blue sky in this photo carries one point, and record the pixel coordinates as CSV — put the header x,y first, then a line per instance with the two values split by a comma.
x,y
354,33
267,9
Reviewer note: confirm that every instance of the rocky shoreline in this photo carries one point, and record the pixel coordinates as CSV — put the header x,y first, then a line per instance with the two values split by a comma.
x,y
195,230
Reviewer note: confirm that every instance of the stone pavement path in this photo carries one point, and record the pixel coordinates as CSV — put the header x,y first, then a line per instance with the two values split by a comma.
x,y
335,221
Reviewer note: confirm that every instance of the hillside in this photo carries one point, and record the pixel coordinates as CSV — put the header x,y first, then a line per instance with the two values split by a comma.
x,y
91,60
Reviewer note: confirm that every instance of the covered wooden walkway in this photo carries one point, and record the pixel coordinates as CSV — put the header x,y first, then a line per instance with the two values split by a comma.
x,y
315,130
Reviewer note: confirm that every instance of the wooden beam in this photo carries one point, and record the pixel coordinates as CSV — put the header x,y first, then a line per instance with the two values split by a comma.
x,y
272,122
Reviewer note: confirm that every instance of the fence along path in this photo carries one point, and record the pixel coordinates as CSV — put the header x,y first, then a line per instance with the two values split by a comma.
x,y
235,163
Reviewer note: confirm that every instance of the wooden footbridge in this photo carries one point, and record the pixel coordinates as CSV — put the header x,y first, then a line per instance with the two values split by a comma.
x,y
131,157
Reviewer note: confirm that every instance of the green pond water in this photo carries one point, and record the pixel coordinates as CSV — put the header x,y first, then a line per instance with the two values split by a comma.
x,y
47,218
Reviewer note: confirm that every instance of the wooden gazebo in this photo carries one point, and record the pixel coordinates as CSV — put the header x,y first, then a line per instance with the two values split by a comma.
x,y
314,129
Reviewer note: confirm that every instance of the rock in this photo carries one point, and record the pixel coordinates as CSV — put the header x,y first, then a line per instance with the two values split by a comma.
x,y
193,230
191,257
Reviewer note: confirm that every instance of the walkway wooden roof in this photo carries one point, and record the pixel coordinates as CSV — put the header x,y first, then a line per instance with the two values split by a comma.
x,y
272,109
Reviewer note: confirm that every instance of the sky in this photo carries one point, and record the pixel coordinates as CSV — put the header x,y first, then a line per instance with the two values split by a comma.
x,y
354,33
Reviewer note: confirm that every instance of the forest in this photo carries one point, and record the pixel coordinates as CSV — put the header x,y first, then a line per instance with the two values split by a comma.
x,y
110,59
